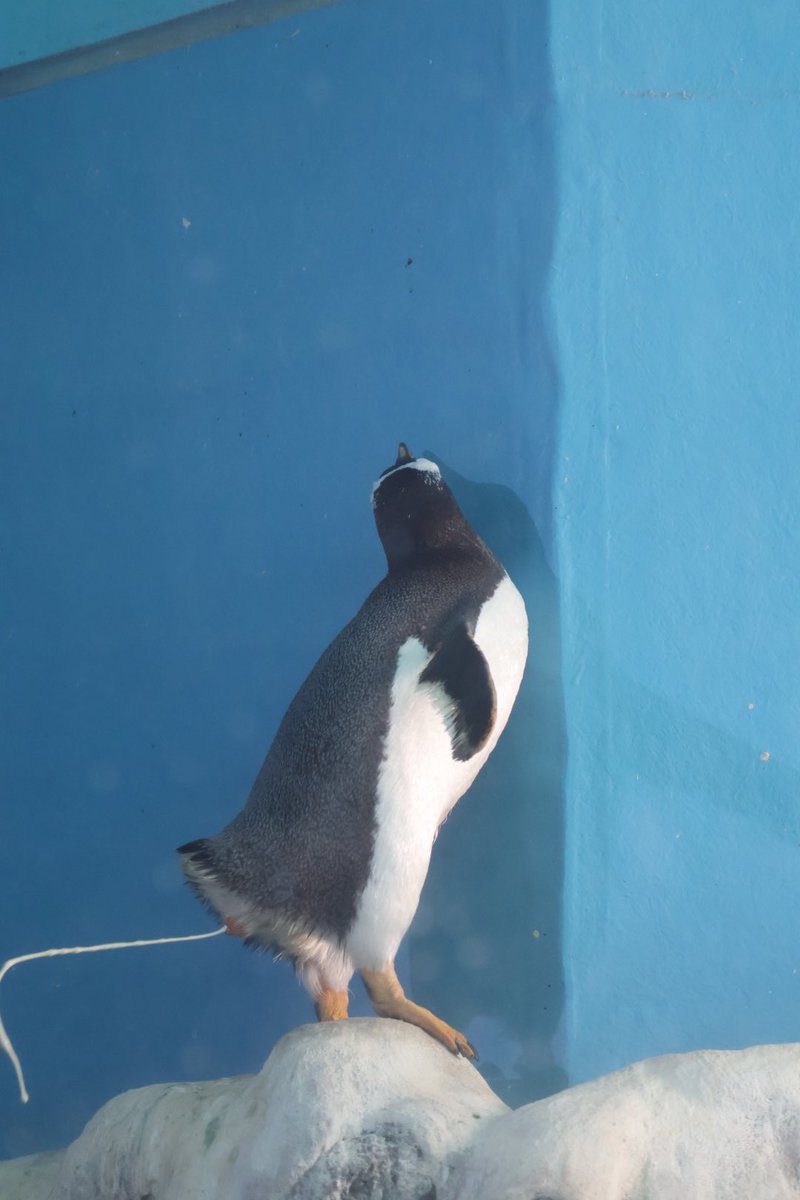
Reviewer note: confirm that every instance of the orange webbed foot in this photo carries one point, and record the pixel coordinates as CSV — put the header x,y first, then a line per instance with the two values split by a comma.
x,y
389,1000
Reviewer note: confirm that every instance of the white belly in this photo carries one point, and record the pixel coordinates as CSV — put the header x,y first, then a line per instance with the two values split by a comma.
x,y
420,781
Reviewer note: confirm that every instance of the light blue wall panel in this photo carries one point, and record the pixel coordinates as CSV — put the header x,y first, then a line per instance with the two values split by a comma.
x,y
675,297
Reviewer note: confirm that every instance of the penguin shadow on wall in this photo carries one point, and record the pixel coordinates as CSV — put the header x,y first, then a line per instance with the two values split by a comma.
x,y
486,942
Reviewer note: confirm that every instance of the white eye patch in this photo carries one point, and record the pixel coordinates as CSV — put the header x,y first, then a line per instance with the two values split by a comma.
x,y
419,464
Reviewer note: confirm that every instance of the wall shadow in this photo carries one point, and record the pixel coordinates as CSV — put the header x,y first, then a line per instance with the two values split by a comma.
x,y
485,947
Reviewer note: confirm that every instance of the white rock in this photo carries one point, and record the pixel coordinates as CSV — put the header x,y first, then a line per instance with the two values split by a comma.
x,y
376,1109
31,1177
365,1104
712,1125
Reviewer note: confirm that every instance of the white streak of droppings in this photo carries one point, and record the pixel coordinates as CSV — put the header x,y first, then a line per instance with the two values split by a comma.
x,y
5,1040
420,781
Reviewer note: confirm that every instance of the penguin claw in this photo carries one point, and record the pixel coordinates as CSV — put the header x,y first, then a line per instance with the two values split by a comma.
x,y
466,1049
389,1000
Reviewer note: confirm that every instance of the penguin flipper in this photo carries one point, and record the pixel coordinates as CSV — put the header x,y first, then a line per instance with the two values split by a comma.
x,y
465,691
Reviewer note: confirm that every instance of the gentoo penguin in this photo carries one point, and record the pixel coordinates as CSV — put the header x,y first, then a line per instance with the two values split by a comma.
x,y
325,863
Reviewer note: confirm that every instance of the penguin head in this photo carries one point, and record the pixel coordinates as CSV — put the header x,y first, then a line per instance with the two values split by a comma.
x,y
416,512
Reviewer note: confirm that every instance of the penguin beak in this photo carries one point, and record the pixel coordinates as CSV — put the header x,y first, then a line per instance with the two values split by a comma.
x,y
404,457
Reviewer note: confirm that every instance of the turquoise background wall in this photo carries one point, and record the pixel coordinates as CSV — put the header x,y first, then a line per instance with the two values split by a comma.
x,y
551,245
237,276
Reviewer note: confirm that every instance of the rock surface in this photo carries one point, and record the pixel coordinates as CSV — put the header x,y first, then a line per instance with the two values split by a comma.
x,y
711,1125
31,1177
376,1110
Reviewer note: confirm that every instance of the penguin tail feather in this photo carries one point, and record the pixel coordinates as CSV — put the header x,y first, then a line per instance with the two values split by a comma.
x,y
200,853
205,872
208,873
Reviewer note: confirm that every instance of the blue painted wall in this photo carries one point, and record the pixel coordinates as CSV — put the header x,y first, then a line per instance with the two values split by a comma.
x,y
213,340
31,29
235,277
675,301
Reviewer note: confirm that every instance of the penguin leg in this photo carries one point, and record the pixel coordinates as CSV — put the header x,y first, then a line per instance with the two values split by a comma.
x,y
331,1005
389,1000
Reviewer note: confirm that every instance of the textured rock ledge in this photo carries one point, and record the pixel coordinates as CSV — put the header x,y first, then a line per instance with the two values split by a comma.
x,y
375,1109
